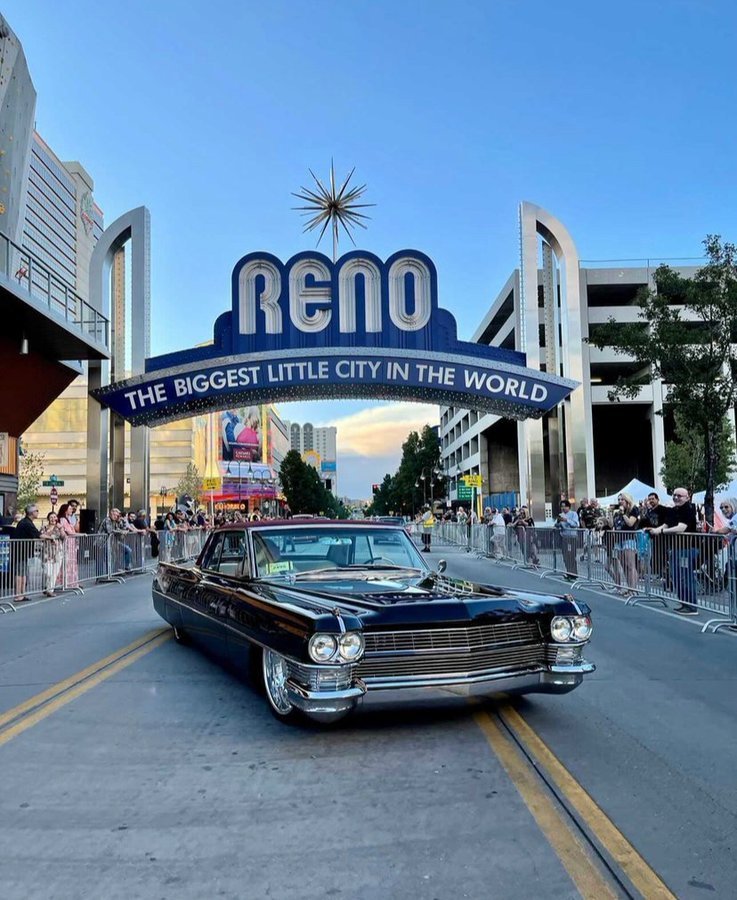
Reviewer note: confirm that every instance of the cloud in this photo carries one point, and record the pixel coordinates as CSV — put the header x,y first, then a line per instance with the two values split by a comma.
x,y
379,430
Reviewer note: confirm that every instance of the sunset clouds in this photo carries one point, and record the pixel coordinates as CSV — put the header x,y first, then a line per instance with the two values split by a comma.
x,y
382,429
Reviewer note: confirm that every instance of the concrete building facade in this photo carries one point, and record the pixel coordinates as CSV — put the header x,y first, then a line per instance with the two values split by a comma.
x,y
589,446
49,224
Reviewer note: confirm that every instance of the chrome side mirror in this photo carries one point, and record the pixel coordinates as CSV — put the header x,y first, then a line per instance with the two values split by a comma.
x,y
442,566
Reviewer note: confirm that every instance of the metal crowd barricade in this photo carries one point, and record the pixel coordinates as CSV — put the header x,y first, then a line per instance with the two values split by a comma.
x,y
31,568
26,570
697,571
87,560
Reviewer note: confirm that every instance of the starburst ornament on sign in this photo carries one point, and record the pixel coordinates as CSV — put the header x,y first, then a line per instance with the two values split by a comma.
x,y
333,208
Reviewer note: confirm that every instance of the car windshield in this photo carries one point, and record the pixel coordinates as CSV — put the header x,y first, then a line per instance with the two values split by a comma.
x,y
306,548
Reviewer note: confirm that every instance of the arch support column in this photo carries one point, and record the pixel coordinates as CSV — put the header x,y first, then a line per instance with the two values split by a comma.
x,y
132,228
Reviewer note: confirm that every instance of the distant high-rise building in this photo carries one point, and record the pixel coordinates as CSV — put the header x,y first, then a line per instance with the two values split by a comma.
x,y
62,222
319,446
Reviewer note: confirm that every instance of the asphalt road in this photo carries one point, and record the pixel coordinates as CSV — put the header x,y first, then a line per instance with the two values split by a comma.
x,y
162,775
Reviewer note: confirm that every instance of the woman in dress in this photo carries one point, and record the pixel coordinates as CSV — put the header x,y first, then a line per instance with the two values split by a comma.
x,y
52,537
71,575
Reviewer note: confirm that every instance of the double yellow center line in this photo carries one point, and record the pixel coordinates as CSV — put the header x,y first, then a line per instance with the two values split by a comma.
x,y
24,716
567,844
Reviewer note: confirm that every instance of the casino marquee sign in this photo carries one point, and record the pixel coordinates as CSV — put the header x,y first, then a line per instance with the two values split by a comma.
x,y
311,329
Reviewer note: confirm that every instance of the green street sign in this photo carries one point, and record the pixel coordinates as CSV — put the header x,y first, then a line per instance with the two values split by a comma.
x,y
465,493
53,482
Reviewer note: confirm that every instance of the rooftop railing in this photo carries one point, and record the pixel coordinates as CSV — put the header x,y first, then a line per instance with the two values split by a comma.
x,y
675,262
31,274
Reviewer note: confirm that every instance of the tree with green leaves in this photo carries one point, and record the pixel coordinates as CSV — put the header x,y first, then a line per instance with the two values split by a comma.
x,y
383,501
190,484
684,337
30,475
419,475
684,463
305,491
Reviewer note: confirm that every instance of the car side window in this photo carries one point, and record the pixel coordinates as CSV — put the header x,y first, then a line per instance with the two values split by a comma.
x,y
212,554
229,555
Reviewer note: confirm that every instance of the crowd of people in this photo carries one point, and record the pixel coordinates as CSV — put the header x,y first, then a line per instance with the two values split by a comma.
x,y
624,541
53,543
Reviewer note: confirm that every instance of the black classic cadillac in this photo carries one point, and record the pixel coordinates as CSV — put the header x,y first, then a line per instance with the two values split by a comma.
x,y
330,615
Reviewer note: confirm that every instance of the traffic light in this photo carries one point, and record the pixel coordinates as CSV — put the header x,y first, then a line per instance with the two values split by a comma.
x,y
375,488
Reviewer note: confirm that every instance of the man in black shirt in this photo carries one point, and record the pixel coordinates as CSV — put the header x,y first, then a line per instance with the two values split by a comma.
x,y
680,519
653,513
26,532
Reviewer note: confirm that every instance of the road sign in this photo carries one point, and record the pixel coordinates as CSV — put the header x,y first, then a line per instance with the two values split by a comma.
x,y
464,492
472,481
53,482
53,496
211,484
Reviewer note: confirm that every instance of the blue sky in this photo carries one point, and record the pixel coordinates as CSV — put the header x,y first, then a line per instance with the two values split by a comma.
x,y
619,119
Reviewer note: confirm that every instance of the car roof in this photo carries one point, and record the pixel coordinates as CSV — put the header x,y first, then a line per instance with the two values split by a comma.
x,y
304,523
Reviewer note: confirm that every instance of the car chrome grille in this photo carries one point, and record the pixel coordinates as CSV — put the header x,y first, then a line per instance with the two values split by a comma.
x,y
475,637
452,651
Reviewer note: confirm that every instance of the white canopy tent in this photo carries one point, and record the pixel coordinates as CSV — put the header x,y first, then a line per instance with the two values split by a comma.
x,y
729,490
638,489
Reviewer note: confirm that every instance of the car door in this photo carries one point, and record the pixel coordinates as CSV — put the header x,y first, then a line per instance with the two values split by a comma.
x,y
218,589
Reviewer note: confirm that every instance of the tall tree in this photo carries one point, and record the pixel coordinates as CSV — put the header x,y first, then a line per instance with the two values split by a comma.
x,y
419,474
684,460
30,475
190,484
685,336
383,503
305,491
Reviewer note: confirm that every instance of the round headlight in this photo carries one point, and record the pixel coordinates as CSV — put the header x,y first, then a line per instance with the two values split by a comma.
x,y
322,647
350,645
561,628
582,628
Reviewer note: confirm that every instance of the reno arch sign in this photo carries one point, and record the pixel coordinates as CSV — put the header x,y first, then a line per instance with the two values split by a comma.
x,y
311,328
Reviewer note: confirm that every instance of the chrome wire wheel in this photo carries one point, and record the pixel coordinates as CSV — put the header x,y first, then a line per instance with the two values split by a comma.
x,y
276,673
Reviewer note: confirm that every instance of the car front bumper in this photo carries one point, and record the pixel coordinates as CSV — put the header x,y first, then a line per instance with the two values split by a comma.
x,y
330,705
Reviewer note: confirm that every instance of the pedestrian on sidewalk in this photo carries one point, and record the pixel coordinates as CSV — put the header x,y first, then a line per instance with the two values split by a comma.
x,y
115,529
568,525
71,568
25,532
52,552
626,521
680,519
428,521
728,509
524,528
498,533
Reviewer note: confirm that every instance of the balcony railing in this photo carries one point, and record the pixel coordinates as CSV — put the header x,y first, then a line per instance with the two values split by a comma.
x,y
31,274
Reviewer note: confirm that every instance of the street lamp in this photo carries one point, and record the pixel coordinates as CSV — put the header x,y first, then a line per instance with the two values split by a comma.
x,y
249,478
433,474
264,481
163,492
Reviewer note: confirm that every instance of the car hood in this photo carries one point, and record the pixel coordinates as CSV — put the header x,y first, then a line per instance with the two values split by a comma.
x,y
383,601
